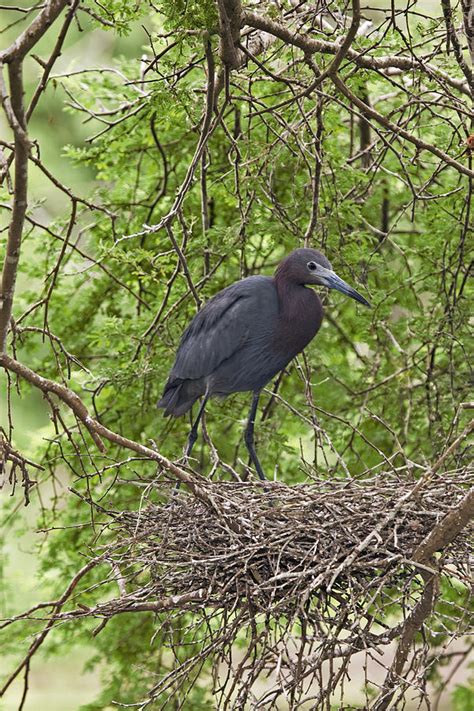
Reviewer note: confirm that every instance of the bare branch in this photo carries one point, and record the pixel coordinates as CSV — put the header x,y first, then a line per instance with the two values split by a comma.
x,y
20,201
96,430
401,132
316,46
27,40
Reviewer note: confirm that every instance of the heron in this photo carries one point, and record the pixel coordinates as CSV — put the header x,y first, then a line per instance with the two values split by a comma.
x,y
246,334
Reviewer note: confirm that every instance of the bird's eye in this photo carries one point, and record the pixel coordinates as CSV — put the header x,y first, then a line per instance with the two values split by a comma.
x,y
312,266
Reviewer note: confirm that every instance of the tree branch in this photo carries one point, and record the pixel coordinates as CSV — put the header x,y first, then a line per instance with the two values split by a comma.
x,y
447,529
27,40
399,131
230,12
97,431
411,626
313,46
20,200
439,538
17,118
453,37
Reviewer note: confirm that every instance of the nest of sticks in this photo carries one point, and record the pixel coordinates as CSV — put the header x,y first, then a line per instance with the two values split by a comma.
x,y
281,548
273,589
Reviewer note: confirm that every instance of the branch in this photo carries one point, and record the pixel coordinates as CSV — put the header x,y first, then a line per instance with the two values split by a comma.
x,y
27,40
230,12
57,605
131,603
412,625
439,538
448,19
346,44
194,482
399,131
314,46
54,55
17,118
468,18
447,530
15,230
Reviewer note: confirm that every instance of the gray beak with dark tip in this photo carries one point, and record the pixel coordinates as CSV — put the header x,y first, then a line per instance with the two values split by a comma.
x,y
330,279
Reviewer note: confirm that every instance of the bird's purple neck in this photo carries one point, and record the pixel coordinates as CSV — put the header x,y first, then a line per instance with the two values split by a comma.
x,y
301,312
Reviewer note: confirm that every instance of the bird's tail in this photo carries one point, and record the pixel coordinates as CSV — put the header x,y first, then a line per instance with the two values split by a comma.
x,y
180,396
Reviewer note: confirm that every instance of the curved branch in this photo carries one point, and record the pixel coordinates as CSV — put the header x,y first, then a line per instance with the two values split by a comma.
x,y
98,431
314,46
399,131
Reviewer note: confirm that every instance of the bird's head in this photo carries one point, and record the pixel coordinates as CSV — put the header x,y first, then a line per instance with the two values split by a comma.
x,y
308,266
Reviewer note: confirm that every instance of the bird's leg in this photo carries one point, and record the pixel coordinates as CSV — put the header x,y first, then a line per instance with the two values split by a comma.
x,y
192,436
249,435
194,429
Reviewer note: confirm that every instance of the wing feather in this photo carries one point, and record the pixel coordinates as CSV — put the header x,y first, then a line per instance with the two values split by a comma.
x,y
222,327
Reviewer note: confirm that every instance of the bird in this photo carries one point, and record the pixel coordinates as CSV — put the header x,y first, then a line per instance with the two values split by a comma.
x,y
246,334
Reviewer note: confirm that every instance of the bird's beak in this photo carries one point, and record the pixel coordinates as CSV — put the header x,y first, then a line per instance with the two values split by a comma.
x,y
330,279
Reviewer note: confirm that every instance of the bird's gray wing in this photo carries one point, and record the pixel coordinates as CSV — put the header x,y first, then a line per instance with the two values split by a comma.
x,y
223,326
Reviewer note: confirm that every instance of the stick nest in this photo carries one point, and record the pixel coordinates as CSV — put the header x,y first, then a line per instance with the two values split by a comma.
x,y
280,548
273,589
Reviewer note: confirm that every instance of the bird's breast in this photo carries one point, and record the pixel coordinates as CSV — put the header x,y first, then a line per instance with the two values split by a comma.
x,y
300,318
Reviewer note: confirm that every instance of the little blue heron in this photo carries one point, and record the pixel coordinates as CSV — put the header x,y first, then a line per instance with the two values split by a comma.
x,y
246,334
